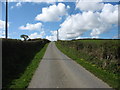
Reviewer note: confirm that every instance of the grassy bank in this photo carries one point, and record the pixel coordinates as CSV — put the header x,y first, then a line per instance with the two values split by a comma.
x,y
25,78
79,51
17,55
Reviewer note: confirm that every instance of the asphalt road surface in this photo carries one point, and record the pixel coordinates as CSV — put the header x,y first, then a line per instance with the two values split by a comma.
x,y
56,70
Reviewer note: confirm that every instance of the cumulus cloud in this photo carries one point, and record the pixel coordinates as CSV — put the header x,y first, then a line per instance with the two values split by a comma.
x,y
53,37
37,26
36,35
96,22
109,14
86,5
76,25
52,13
108,17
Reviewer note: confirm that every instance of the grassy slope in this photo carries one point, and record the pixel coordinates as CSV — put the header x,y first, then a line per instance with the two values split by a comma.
x,y
109,78
25,78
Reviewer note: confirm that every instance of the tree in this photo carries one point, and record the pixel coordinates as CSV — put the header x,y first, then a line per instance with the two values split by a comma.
x,y
24,36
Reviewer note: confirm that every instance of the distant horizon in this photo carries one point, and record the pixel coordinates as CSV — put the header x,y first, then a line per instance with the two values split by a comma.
x,y
69,39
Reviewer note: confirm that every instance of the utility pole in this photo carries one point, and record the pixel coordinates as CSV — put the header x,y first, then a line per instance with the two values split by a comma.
x,y
57,35
6,24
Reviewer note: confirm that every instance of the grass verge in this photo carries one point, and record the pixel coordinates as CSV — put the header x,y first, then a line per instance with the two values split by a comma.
x,y
111,79
25,78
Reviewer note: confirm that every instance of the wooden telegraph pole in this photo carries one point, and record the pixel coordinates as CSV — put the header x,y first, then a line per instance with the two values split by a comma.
x,y
57,35
6,24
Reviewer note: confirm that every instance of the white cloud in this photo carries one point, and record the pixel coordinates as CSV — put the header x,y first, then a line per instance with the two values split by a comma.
x,y
116,36
37,26
53,37
59,0
76,25
68,7
2,33
36,35
2,28
36,1
86,5
52,13
96,22
12,7
109,14
2,24
18,4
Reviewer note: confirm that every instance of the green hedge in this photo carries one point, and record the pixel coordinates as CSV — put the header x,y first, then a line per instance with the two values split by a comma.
x,y
103,53
16,56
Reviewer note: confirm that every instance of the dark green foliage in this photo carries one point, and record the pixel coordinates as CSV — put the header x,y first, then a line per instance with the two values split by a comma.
x,y
16,56
103,53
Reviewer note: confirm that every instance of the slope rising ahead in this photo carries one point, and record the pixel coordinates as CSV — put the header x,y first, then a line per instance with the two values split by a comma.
x,y
56,70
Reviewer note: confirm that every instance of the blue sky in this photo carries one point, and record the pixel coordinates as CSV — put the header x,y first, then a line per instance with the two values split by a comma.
x,y
23,20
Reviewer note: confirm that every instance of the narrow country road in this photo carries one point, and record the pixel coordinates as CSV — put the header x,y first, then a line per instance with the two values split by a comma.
x,y
56,70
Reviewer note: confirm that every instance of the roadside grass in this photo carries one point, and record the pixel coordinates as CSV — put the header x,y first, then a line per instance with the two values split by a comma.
x,y
26,77
110,78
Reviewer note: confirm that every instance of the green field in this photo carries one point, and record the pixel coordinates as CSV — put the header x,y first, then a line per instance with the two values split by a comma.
x,y
100,57
19,61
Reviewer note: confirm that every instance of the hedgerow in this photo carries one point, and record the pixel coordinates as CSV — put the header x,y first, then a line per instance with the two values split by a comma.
x,y
16,56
